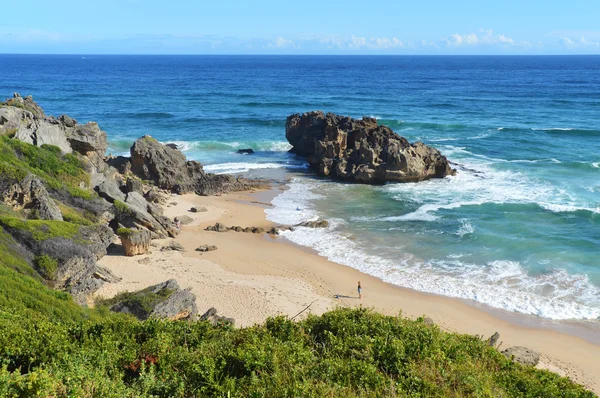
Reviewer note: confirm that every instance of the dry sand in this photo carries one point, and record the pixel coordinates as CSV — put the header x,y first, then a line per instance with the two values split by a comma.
x,y
251,277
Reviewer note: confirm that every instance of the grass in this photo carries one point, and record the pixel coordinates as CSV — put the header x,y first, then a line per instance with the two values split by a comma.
x,y
47,266
41,229
58,171
343,353
73,216
124,231
121,207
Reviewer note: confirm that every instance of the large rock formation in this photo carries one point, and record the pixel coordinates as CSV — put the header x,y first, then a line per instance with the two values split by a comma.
x,y
361,150
31,194
169,169
165,300
134,241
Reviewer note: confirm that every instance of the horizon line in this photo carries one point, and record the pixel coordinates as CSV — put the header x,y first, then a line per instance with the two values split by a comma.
x,y
315,55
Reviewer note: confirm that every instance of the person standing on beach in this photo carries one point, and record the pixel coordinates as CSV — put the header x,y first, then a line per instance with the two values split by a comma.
x,y
359,290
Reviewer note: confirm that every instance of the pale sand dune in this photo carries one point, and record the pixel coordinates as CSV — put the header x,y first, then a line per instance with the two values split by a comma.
x,y
251,277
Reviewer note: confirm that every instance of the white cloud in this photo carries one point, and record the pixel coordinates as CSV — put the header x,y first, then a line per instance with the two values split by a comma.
x,y
485,37
578,43
280,42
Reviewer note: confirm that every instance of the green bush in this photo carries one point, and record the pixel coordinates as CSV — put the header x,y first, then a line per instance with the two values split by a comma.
x,y
343,353
46,265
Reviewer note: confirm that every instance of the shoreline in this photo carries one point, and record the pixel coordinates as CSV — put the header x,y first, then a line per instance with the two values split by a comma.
x,y
250,277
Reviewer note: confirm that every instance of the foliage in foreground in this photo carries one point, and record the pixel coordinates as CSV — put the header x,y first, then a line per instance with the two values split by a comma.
x,y
346,353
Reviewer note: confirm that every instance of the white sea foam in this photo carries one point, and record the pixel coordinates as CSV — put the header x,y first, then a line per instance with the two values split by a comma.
x,y
553,129
500,284
240,167
465,228
596,165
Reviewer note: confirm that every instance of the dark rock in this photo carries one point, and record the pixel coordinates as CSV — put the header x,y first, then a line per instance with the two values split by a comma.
x,y
273,231
173,246
170,170
133,185
212,317
247,151
493,340
314,224
218,227
258,230
155,196
198,209
172,146
121,163
361,150
165,300
135,241
248,230
522,355
237,229
206,248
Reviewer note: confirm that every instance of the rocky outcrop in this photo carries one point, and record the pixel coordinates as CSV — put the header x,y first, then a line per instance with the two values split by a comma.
x,y
169,169
522,355
314,224
134,241
206,248
247,151
360,150
31,194
165,300
212,317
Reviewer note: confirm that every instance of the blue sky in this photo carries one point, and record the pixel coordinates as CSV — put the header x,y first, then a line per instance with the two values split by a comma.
x,y
300,27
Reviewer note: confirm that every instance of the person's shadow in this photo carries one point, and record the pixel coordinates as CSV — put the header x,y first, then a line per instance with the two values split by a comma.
x,y
338,296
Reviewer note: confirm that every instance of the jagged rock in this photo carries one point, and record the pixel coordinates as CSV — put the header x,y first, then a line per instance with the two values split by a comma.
x,y
212,317
173,246
137,200
155,196
218,227
121,163
134,241
522,355
361,150
109,190
170,170
314,224
31,194
198,209
172,146
258,230
247,151
131,215
133,185
67,121
493,340
86,138
164,300
185,220
206,248
75,256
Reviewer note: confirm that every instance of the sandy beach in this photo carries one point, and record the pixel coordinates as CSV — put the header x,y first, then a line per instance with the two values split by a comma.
x,y
253,276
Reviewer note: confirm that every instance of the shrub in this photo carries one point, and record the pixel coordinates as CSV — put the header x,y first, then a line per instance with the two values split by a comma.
x,y
47,266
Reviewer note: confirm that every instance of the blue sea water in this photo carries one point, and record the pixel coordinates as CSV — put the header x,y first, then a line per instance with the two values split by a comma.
x,y
517,228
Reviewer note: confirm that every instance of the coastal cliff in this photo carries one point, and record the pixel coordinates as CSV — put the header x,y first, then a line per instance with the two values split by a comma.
x,y
360,150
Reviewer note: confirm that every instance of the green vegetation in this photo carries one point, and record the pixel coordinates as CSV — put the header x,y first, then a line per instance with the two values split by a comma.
x,y
46,265
17,159
41,229
23,292
9,132
344,353
73,216
143,301
121,207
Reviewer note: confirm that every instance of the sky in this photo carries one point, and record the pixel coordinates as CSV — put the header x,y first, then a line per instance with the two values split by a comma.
x,y
300,27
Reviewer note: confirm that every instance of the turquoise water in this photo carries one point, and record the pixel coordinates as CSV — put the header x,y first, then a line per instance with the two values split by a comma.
x,y
518,227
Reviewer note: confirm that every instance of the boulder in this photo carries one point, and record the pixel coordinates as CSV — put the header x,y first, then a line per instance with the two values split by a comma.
x,y
134,241
522,355
165,300
31,194
213,318
109,190
172,246
86,138
185,220
133,185
170,170
493,340
314,224
360,150
248,151
218,227
198,209
206,248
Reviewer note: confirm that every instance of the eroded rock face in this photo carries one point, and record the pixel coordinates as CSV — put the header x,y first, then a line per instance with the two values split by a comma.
x,y
164,300
135,242
31,194
522,355
360,150
169,169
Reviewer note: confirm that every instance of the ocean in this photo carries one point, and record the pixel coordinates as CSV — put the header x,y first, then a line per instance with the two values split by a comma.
x,y
518,227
